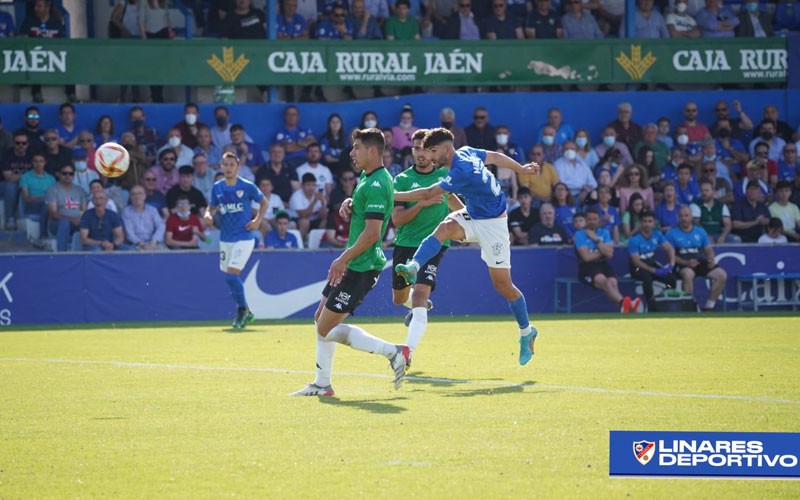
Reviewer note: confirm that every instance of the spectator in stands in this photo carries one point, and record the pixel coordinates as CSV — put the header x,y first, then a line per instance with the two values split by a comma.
x,y
7,29
609,215
741,128
84,176
774,234
723,190
184,229
642,255
155,23
730,150
221,132
166,173
667,210
33,186
367,25
786,211
104,131
717,20
694,257
146,137
543,22
244,22
309,9
504,144
183,153
594,247
284,179
290,24
124,23
86,144
65,204
750,215
137,165
337,229
579,23
144,227
389,162
46,22
15,162
480,133
770,174
564,206
789,164
649,23
403,131
281,237
501,25
753,22
197,199
294,137
796,188
101,229
669,171
207,148
274,206
547,232
6,139
646,158
604,179
203,179
439,12
506,177
522,218
31,128
782,129
610,141
686,186
756,172
663,132
696,130
96,186
608,14
398,156
680,23
767,133
562,131
650,140
574,172
337,26
190,126
401,26
153,196
585,151
249,154
67,131
541,186
462,24
611,163
634,180
628,131
379,9
547,140
321,172
308,205
447,118
713,215
632,217
691,150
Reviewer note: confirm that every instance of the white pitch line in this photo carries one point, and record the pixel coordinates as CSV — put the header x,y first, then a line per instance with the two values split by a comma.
x,y
434,380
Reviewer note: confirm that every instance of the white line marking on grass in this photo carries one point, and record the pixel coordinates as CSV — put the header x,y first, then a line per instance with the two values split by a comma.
x,y
411,378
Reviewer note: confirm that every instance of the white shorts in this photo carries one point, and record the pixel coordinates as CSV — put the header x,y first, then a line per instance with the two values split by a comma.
x,y
235,254
490,234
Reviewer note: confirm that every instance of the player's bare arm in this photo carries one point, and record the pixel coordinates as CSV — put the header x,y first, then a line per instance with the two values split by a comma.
x,y
371,234
404,215
255,223
346,208
419,194
587,255
209,215
454,203
502,160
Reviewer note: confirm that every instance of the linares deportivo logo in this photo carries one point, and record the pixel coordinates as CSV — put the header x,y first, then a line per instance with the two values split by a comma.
x,y
644,451
228,68
635,65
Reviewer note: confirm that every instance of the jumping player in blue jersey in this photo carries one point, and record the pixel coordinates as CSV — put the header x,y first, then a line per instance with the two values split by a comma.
x,y
232,197
484,219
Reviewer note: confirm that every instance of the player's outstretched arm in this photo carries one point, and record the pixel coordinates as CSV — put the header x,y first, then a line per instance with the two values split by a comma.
x,y
501,160
419,194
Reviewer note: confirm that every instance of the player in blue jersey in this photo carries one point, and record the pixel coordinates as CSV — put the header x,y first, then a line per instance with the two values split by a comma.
x,y
484,219
232,197
642,253
695,257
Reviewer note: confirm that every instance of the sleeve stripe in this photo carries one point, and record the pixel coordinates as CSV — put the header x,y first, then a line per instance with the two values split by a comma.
x,y
374,216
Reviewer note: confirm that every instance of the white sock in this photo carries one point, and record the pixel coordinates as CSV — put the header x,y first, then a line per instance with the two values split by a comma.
x,y
407,303
710,304
417,327
358,339
525,331
325,352
414,264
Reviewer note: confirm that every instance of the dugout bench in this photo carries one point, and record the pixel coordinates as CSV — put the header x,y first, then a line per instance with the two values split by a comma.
x,y
756,280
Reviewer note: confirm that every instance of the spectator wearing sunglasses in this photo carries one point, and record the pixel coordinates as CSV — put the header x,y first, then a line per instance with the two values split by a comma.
x,y
65,204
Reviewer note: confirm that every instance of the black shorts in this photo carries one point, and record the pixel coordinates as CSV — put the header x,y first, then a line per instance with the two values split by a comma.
x,y
350,293
426,276
700,270
588,270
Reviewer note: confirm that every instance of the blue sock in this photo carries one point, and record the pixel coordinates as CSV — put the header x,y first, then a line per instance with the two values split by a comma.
x,y
237,289
520,309
427,250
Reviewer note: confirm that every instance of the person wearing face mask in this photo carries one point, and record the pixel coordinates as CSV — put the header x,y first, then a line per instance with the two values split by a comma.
x,y
767,129
729,150
184,230
574,172
137,165
716,20
585,150
175,144
754,22
680,23
190,125
447,118
551,148
610,141
83,175
506,177
146,137
691,150
402,133
782,129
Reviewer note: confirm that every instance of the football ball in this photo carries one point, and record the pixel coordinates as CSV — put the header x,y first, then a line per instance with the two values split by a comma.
x,y
111,159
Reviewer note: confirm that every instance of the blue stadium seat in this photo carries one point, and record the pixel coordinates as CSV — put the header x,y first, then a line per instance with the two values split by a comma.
x,y
787,17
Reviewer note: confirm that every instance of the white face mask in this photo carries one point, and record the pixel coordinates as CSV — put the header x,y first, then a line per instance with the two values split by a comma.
x,y
581,141
174,141
548,140
683,139
406,123
80,165
184,214
570,154
609,140
370,123
680,7
191,118
502,139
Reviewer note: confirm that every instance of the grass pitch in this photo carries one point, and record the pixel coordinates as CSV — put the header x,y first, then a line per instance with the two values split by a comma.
x,y
201,412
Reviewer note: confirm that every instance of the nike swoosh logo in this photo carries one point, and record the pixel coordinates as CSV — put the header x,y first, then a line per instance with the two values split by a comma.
x,y
184,228
282,305
497,262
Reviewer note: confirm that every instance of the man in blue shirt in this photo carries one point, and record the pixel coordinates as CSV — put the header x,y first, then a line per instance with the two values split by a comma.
x,y
233,197
642,253
294,138
484,219
281,237
695,257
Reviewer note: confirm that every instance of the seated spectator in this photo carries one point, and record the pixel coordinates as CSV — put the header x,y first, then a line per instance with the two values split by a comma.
x,y
541,186
694,257
579,23
642,255
741,128
611,164
667,210
604,179
462,24
504,144
447,118
717,20
710,156
33,186
696,130
795,198
610,141
284,179
769,175
183,153
755,173
573,172
547,232
563,132
165,172
104,131
786,211
146,137
782,129
390,163
480,133
627,130
274,206
522,219
787,17
669,171
585,151
281,237
610,219
398,157
14,163
337,27
294,137
86,144
723,190
789,164
774,234
647,159
221,132
595,248
713,215
7,29
730,151
543,22
552,150
67,131
333,143
564,207
680,23
308,205
686,187
248,153
368,27
313,166
191,125
290,24
650,140
690,150
337,230
83,175
501,25
211,151
184,187
184,229
96,187
65,204
649,23
750,215
144,226
634,181
766,133
631,218
506,177
403,132
101,229
154,197
203,178
55,154
244,22
753,22
663,132
401,26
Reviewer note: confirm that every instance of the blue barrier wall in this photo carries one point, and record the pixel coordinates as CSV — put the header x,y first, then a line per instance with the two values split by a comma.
x,y
84,288
523,112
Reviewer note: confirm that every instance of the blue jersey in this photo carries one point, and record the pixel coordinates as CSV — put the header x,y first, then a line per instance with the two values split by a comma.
x,y
613,217
666,217
235,207
470,178
564,215
646,247
581,240
688,245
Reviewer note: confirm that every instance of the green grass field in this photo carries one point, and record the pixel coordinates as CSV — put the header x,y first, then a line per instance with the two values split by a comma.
x,y
201,412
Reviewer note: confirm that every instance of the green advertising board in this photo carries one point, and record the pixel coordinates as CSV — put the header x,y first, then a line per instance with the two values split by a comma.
x,y
516,62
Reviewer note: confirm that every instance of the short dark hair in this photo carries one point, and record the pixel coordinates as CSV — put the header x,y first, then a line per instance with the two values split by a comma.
x,y
282,215
309,177
97,181
524,190
779,185
236,127
402,2
165,152
370,138
436,136
66,105
590,210
646,213
186,170
752,185
190,105
182,196
774,223
582,214
419,134
684,166
313,145
707,181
